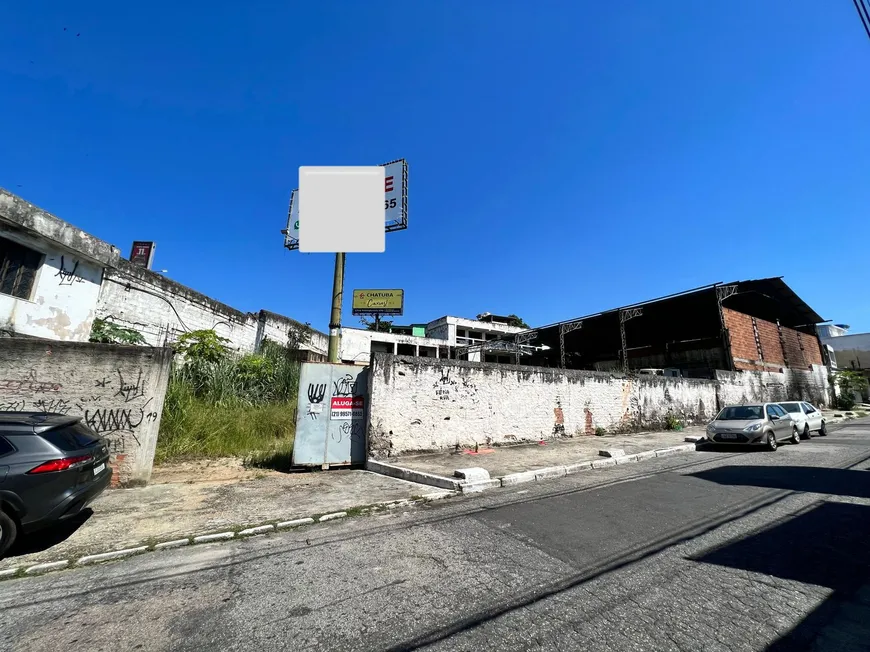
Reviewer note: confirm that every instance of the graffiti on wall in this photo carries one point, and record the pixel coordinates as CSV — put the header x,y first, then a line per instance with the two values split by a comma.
x,y
68,276
316,394
116,407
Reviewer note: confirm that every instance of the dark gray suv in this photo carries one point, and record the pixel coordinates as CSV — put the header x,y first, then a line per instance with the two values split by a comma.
x,y
51,467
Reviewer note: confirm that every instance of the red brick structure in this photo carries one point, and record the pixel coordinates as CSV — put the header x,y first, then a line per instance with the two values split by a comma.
x,y
755,325
761,345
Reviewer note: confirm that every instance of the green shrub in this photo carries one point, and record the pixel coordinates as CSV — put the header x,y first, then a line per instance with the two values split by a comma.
x,y
672,423
845,401
219,404
107,332
600,431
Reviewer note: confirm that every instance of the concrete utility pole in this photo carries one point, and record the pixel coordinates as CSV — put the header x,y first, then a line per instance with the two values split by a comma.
x,y
335,316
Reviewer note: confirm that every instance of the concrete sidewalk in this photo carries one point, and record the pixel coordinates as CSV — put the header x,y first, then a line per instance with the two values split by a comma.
x,y
214,496
507,460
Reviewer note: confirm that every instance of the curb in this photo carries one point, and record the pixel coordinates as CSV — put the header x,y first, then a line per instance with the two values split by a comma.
x,y
411,475
215,537
534,475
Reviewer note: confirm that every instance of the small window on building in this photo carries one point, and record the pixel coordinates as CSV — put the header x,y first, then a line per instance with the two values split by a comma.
x,y
18,267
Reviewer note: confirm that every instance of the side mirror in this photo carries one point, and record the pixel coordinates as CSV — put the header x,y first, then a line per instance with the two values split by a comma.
x,y
773,417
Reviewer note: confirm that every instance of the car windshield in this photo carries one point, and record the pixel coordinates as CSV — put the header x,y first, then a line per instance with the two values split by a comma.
x,y
740,413
794,408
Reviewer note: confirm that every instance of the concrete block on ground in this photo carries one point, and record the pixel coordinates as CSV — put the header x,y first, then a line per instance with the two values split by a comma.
x,y
664,452
577,467
177,543
517,478
550,472
260,529
295,523
332,516
472,474
626,459
109,556
598,464
612,452
47,567
695,438
410,475
483,485
220,536
684,448
646,455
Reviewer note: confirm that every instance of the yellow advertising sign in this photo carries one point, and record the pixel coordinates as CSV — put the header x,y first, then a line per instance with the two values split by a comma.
x,y
378,302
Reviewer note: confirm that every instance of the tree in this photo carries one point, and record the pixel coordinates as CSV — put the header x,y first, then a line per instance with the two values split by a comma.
x,y
850,383
374,325
202,346
513,320
517,322
107,332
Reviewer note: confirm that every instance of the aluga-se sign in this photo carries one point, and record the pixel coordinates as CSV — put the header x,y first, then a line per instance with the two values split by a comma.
x,y
395,203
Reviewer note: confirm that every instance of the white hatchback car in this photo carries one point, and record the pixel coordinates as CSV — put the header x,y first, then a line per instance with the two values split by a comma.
x,y
807,418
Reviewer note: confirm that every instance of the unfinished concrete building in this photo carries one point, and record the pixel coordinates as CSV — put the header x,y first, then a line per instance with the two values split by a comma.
x,y
755,325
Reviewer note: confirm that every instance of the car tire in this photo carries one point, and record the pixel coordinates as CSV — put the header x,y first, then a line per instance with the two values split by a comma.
x,y
795,435
8,532
823,431
771,442
807,434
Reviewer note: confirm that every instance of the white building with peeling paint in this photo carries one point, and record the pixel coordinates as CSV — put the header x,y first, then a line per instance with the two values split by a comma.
x,y
50,273
55,279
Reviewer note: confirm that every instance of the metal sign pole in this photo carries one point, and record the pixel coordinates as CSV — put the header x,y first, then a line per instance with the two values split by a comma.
x,y
335,315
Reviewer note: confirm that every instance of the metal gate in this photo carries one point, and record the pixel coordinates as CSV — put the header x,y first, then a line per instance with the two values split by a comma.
x,y
331,415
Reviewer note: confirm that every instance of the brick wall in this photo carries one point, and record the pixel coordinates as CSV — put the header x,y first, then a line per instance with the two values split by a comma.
x,y
770,351
117,390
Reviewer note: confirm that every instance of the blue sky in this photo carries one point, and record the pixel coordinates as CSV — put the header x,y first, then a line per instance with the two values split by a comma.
x,y
565,157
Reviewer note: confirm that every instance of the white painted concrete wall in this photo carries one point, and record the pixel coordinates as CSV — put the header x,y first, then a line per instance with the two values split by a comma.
x,y
117,390
739,387
429,405
63,301
162,310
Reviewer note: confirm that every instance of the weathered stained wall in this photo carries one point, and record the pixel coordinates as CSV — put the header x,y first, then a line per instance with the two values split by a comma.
x,y
759,345
737,387
118,390
162,310
357,344
23,216
424,405
63,300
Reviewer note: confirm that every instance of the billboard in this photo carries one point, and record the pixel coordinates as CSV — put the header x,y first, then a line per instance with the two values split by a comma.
x,y
395,203
378,302
142,253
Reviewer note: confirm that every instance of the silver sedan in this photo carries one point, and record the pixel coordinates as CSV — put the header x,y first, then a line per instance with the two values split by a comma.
x,y
761,424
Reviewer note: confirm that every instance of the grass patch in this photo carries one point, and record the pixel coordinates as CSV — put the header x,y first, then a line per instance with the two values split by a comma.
x,y
277,459
196,428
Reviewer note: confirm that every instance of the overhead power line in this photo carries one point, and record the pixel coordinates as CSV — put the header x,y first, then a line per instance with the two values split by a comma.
x,y
864,14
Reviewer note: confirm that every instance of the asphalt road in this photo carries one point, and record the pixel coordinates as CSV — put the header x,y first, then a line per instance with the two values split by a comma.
x,y
717,550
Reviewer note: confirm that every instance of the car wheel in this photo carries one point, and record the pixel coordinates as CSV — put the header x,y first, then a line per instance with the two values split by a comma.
x,y
795,435
8,532
807,434
823,431
771,441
